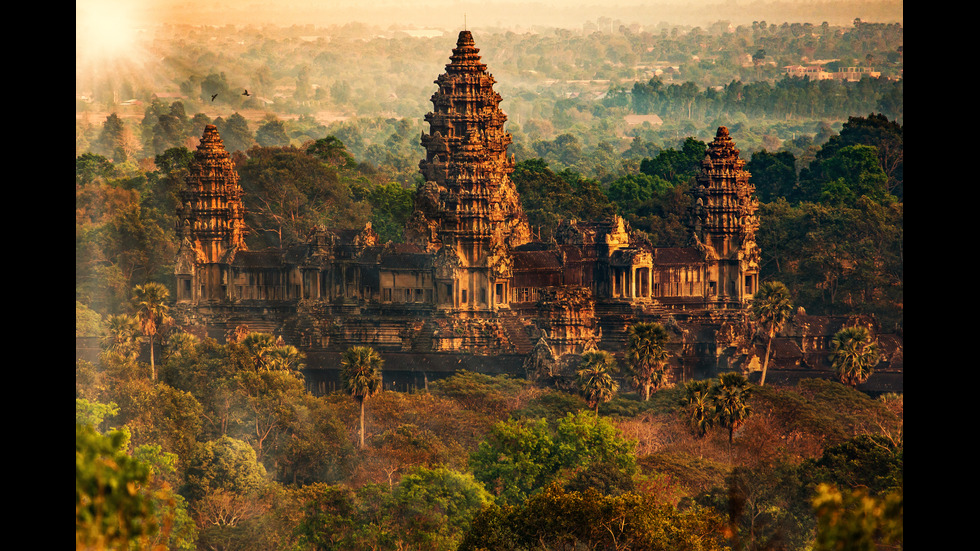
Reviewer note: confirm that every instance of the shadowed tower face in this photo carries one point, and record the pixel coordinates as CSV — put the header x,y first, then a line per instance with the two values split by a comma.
x,y
724,223
468,204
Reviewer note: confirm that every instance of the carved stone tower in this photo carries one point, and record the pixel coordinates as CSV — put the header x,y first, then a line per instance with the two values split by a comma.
x,y
468,203
724,224
210,221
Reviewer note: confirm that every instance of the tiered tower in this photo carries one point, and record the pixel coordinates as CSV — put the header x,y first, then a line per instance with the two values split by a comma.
x,y
724,224
210,221
468,203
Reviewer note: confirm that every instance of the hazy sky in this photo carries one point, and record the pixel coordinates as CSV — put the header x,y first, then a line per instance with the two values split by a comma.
x,y
484,13
113,29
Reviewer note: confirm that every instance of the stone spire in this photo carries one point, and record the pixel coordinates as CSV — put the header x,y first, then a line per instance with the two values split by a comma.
x,y
724,219
468,199
211,217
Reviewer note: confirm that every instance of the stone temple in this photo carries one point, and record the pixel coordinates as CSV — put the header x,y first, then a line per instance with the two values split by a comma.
x,y
470,288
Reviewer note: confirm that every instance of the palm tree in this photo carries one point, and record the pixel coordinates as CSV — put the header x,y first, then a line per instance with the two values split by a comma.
x,y
285,357
731,400
121,336
853,355
258,346
179,343
698,409
771,307
361,375
646,355
150,304
595,380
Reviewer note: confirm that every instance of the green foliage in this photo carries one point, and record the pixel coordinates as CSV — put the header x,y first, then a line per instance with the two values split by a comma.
x,y
391,206
111,511
225,464
92,414
698,410
730,397
594,378
488,394
435,506
88,323
767,507
516,459
877,131
548,197
676,166
360,375
646,355
557,519
837,260
854,520
235,133
427,509
292,192
361,372
520,457
853,173
551,405
329,517
773,175
272,133
871,462
771,309
853,355
693,475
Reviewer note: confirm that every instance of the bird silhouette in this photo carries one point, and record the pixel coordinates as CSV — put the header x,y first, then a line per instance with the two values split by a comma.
x,y
245,93
214,96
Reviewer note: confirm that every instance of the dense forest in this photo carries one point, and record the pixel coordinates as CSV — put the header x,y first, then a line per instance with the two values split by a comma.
x,y
220,446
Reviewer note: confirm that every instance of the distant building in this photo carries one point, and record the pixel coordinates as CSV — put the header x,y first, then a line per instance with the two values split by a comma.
x,y
816,72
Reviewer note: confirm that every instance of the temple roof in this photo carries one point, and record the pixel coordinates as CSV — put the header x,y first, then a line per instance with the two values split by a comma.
x,y
676,255
407,261
536,260
265,258
466,56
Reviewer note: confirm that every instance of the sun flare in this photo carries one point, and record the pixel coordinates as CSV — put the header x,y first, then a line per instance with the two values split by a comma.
x,y
107,31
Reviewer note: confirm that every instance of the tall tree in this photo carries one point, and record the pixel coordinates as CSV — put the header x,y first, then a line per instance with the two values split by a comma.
x,y
257,348
771,308
121,336
285,357
698,411
115,140
235,133
646,354
595,378
332,151
731,400
361,376
272,133
854,354
151,307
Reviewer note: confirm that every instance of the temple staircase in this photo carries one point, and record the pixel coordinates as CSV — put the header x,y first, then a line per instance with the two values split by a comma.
x,y
516,334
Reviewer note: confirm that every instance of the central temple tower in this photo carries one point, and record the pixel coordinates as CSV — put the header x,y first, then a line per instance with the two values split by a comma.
x,y
468,210
724,223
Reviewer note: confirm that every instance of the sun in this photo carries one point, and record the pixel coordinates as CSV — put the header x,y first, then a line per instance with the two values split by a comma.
x,y
108,31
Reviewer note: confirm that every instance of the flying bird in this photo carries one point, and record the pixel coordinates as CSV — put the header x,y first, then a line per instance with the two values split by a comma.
x,y
245,93
214,96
